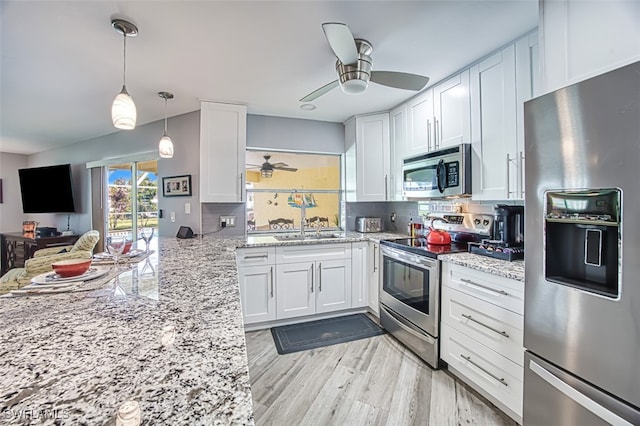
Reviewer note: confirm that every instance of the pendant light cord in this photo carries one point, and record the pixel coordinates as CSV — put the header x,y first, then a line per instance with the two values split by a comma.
x,y
124,67
165,116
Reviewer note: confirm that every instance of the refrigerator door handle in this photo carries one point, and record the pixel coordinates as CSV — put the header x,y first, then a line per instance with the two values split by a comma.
x,y
577,396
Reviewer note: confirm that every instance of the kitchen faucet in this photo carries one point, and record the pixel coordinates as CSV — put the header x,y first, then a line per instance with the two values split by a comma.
x,y
303,218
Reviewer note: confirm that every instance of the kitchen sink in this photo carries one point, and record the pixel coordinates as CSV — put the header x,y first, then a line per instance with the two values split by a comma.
x,y
298,237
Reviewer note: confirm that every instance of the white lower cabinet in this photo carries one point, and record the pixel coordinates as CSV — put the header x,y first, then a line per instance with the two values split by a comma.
x,y
374,277
365,275
256,271
285,282
482,334
257,293
295,290
308,288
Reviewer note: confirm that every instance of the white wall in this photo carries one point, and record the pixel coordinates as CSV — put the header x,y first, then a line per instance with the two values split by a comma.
x,y
291,134
262,132
11,215
185,133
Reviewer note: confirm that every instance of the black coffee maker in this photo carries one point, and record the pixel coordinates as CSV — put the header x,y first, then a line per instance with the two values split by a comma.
x,y
508,225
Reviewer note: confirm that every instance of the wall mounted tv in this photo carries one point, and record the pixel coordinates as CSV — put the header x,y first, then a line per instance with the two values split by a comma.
x,y
47,189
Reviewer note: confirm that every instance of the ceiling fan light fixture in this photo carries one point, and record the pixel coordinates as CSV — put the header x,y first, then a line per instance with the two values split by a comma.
x,y
123,109
165,146
354,87
266,173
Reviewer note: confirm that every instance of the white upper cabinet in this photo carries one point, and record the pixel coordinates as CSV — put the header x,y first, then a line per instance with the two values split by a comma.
x,y
581,39
452,109
500,85
493,96
398,150
419,125
223,139
367,158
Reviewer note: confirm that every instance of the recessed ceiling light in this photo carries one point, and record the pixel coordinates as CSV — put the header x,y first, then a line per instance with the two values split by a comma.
x,y
308,107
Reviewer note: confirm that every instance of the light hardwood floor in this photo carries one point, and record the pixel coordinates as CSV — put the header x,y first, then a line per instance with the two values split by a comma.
x,y
374,381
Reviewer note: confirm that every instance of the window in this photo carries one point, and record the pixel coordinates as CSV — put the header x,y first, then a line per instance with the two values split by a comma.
x,y
279,183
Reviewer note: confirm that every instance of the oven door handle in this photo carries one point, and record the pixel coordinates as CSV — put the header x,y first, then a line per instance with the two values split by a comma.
x,y
415,260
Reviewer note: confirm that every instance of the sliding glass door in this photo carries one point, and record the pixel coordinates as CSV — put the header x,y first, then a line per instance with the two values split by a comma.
x,y
132,199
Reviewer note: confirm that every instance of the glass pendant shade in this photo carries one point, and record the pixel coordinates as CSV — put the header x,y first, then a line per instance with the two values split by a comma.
x,y
165,147
267,173
123,111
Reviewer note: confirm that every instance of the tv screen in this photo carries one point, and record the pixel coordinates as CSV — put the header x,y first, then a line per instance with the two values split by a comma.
x,y
47,189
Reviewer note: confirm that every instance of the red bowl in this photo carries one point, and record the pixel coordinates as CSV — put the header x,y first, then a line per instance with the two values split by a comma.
x,y
71,267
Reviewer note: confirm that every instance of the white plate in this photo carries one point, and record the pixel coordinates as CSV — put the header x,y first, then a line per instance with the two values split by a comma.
x,y
53,278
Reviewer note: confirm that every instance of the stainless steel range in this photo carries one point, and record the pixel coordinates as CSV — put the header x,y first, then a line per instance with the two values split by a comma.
x,y
410,290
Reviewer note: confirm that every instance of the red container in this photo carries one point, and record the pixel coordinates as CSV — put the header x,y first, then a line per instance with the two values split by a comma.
x,y
71,267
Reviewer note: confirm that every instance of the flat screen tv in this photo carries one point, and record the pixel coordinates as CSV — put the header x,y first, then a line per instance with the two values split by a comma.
x,y
47,189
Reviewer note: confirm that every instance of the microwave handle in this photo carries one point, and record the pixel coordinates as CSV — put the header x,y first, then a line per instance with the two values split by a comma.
x,y
441,175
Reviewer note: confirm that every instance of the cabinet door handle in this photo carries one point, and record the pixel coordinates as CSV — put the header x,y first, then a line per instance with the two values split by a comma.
x,y
320,277
521,174
271,274
257,256
507,185
488,327
438,132
386,196
493,376
502,292
312,271
375,257
428,135
241,180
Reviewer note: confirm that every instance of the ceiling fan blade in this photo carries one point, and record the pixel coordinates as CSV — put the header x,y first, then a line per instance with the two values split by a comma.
x,y
399,80
248,167
341,41
319,92
253,165
279,164
287,169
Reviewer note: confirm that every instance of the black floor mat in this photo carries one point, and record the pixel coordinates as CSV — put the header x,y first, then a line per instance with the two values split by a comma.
x,y
325,332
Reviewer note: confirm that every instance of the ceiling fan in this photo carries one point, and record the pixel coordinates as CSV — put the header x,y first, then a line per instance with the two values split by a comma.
x,y
354,66
267,168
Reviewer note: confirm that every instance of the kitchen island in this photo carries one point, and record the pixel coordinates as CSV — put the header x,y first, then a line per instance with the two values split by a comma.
x,y
174,342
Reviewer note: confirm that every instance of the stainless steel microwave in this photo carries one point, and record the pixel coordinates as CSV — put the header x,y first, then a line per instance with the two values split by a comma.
x,y
438,174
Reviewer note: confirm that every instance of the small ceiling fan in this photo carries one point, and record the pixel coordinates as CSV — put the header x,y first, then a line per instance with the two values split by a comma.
x,y
354,66
267,168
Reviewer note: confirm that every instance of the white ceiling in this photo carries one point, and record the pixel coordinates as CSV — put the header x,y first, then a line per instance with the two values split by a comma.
x,y
61,62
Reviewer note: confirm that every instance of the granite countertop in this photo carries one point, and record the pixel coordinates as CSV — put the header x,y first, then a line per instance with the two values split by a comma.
x,y
265,240
513,270
174,342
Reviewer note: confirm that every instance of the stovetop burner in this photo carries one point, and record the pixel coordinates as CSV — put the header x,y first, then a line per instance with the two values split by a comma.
x,y
421,247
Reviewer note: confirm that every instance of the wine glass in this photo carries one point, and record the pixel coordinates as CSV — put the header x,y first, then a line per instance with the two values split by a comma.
x,y
115,246
147,234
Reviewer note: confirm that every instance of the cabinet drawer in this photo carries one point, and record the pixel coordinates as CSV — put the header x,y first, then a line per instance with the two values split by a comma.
x,y
495,327
486,370
312,253
255,256
500,291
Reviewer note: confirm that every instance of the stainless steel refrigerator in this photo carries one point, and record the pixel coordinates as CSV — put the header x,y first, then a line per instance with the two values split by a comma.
x,y
582,252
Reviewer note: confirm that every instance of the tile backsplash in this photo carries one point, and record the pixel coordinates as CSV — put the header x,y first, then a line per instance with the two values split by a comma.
x,y
211,213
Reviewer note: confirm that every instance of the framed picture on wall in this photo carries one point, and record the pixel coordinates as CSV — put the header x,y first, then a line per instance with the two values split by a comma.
x,y
176,186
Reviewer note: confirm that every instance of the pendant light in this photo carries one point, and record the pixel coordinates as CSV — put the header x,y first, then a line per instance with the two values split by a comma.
x,y
165,147
123,110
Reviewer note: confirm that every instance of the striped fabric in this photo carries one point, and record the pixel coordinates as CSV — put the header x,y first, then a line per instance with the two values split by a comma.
x,y
42,260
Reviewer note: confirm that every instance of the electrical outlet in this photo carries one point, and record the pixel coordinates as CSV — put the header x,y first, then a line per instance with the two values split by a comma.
x,y
187,208
393,218
227,221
